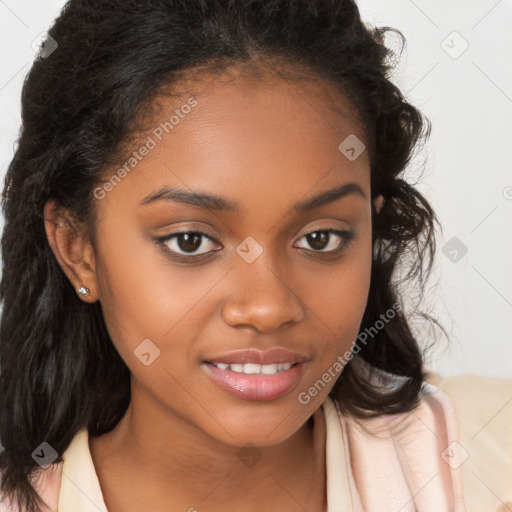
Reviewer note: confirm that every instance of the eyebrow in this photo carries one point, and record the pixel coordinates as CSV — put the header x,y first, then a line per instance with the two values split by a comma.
x,y
216,203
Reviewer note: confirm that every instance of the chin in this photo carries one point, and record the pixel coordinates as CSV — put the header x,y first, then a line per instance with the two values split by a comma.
x,y
259,427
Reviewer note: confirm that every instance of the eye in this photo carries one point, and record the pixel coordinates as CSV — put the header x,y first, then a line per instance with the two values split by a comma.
x,y
187,243
322,240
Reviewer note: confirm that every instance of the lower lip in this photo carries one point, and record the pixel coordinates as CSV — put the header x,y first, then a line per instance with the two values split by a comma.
x,y
256,386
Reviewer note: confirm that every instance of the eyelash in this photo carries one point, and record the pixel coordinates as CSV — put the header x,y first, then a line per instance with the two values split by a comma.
x,y
346,236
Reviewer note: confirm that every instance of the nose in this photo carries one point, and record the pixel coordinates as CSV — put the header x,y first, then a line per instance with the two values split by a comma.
x,y
263,298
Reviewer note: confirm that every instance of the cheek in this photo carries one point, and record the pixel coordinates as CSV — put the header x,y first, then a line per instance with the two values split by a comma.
x,y
339,297
144,297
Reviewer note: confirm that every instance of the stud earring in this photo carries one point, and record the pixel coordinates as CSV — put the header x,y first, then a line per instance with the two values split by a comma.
x,y
83,291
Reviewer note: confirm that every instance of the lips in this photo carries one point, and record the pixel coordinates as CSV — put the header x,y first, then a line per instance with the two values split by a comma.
x,y
276,355
256,387
257,375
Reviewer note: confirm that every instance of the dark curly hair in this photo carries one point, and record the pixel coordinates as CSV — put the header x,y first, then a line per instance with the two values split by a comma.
x,y
80,107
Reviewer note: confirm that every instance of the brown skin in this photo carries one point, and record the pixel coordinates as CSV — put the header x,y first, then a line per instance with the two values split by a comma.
x,y
265,145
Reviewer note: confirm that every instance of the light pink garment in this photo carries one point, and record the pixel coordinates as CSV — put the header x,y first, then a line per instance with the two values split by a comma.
x,y
407,462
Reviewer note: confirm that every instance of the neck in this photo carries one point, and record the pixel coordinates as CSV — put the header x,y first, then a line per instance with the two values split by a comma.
x,y
181,461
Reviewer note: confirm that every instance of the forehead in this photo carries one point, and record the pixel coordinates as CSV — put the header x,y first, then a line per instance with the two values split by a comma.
x,y
252,108
242,137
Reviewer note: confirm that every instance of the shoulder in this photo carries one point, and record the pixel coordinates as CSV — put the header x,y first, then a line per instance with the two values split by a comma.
x,y
435,415
433,423
434,419
46,480
408,461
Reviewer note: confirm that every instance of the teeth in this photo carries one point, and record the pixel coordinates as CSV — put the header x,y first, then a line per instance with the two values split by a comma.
x,y
269,369
251,368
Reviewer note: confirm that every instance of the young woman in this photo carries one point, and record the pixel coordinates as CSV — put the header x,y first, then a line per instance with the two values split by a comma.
x,y
204,219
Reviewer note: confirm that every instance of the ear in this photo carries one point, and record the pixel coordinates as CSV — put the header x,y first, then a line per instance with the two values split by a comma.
x,y
378,202
72,248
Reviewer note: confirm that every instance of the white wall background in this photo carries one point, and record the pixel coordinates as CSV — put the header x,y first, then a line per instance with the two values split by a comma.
x,y
467,94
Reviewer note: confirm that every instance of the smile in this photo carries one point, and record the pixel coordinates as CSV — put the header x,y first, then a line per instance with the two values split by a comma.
x,y
252,369
250,382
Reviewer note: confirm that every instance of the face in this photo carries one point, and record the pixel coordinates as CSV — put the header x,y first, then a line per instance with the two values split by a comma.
x,y
199,293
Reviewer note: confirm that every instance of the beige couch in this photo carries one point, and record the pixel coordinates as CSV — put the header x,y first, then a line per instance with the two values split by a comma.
x,y
484,406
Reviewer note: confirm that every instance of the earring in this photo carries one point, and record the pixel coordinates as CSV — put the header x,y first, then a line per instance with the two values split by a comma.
x,y
83,291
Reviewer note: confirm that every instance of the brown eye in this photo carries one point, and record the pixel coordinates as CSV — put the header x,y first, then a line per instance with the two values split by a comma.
x,y
186,243
189,242
323,240
318,240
